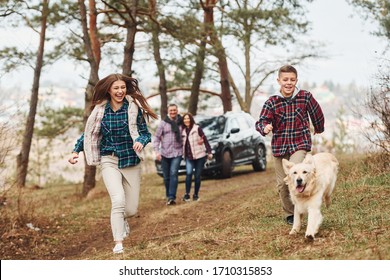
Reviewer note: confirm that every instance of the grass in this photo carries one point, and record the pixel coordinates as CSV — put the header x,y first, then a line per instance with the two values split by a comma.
x,y
238,218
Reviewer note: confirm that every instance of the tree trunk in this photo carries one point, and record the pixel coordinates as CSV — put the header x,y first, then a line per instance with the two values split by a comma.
x,y
95,43
225,85
89,171
92,51
162,86
222,61
131,27
128,51
23,157
208,20
236,91
196,81
248,86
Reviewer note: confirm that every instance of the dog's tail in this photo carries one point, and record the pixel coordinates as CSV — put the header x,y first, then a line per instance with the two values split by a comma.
x,y
332,183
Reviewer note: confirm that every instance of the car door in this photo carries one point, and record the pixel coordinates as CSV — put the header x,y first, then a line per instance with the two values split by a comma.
x,y
255,137
246,149
233,137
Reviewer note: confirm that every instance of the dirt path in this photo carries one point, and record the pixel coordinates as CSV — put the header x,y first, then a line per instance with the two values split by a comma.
x,y
156,221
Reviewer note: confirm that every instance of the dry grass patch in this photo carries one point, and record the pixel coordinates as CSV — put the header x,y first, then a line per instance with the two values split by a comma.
x,y
236,218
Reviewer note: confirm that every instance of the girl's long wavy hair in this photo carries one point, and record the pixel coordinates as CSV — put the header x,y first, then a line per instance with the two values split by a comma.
x,y
101,89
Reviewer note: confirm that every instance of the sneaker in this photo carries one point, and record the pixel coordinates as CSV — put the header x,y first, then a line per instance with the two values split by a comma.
x,y
186,197
118,249
195,197
171,202
126,230
290,219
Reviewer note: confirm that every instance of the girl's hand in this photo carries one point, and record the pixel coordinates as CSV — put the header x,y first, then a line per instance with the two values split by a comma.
x,y
209,156
138,147
73,158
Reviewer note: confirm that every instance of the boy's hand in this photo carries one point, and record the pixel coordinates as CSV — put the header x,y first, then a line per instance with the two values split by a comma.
x,y
268,128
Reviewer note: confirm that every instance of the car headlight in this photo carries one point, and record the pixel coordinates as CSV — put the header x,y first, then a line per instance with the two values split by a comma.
x,y
213,147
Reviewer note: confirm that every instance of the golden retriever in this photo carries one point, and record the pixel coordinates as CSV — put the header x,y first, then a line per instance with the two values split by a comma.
x,y
310,183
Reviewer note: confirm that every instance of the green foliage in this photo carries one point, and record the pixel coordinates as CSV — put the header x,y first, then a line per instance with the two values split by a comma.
x,y
22,14
63,11
377,10
12,58
8,8
185,28
56,122
272,23
182,70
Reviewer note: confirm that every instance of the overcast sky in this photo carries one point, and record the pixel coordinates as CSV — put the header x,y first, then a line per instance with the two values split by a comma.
x,y
353,51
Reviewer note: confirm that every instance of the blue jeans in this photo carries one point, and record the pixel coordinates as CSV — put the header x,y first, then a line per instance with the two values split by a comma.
x,y
191,166
170,169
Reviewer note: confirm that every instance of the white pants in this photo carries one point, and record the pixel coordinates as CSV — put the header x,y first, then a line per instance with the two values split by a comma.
x,y
123,186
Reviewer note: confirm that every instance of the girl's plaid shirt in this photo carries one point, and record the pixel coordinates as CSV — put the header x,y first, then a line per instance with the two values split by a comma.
x,y
290,121
115,136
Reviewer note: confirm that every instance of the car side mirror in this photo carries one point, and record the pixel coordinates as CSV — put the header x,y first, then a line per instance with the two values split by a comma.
x,y
234,130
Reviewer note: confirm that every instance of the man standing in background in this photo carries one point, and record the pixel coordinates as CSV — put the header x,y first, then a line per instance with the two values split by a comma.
x,y
168,146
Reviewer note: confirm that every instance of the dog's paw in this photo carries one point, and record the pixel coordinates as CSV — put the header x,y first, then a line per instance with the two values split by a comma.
x,y
309,237
294,231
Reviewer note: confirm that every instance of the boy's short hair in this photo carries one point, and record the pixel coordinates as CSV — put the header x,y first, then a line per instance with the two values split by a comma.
x,y
287,69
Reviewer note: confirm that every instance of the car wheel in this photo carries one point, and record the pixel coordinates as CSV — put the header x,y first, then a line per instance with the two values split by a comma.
x,y
226,170
260,162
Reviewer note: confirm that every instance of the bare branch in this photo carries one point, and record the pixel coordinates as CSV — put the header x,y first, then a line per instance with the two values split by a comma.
x,y
213,93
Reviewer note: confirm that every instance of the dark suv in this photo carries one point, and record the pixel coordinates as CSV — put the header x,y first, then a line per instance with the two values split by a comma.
x,y
234,141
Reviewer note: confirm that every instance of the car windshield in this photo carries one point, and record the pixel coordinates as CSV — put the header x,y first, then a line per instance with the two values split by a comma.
x,y
212,126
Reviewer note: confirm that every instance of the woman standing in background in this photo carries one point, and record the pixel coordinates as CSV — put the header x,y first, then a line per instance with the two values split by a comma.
x,y
195,146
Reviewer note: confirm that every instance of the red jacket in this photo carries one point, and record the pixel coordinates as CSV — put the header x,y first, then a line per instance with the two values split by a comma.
x,y
290,121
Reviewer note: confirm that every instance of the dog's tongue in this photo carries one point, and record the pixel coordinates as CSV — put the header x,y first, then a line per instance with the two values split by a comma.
x,y
300,188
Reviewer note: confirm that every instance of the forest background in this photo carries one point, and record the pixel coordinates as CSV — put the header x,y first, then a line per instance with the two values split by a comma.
x,y
204,54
